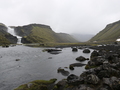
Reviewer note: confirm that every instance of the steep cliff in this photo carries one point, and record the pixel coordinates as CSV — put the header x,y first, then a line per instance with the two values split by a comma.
x,y
5,37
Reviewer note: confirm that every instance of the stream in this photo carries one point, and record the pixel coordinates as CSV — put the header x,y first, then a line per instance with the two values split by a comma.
x,y
34,64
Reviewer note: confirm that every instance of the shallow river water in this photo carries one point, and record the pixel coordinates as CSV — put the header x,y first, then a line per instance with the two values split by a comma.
x,y
34,64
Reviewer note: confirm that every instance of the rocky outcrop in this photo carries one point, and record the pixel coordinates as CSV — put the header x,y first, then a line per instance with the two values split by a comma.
x,y
5,37
11,38
3,28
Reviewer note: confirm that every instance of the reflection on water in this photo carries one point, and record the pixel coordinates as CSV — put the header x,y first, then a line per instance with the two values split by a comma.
x,y
34,64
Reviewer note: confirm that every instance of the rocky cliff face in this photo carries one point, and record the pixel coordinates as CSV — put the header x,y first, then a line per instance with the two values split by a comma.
x,y
38,33
5,37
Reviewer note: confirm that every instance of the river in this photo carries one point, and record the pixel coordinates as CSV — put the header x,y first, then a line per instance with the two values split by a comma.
x,y
34,64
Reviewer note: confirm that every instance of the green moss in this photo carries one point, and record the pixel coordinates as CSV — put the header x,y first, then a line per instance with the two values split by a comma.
x,y
22,87
4,40
89,67
37,85
44,81
40,34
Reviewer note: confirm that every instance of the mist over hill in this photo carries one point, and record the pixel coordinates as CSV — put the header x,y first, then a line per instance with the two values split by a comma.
x,y
82,37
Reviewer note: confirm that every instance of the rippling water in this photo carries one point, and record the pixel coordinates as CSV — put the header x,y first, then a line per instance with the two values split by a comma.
x,y
34,64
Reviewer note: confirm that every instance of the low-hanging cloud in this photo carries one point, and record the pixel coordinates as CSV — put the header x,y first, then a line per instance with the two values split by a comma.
x,y
69,16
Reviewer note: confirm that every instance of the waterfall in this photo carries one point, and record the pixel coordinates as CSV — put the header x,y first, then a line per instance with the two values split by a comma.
x,y
11,31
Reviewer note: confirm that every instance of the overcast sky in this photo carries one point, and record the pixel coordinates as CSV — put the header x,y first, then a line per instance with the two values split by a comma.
x,y
68,16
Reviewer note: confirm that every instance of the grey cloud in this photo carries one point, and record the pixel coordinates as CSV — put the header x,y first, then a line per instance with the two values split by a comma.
x,y
70,16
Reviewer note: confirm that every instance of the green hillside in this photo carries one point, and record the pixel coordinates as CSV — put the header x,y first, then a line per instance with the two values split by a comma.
x,y
110,33
37,33
5,37
66,38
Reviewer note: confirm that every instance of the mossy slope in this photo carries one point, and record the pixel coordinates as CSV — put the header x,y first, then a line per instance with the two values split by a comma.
x,y
37,33
66,38
5,37
110,33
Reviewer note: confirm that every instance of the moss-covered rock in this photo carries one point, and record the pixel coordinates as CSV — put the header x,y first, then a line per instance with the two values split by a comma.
x,y
38,85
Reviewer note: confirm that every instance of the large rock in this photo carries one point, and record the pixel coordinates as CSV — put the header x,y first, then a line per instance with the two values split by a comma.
x,y
92,79
94,54
81,58
74,49
86,51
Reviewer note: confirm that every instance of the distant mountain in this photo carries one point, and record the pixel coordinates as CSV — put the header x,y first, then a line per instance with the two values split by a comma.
x,y
38,33
5,37
110,33
82,37
66,38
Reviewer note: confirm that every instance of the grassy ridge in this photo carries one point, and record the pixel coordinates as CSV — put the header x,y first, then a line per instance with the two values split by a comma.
x,y
111,32
40,34
44,34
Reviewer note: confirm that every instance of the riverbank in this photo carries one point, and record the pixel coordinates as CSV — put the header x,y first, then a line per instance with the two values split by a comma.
x,y
103,73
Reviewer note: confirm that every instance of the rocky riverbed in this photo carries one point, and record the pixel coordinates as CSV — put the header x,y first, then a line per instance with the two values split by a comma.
x,y
103,73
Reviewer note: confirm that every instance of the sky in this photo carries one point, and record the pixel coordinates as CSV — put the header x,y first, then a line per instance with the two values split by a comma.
x,y
67,16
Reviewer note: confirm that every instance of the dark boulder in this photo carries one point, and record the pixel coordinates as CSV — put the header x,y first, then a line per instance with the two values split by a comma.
x,y
71,66
94,54
86,51
74,49
63,72
53,51
92,79
81,58
73,80
78,64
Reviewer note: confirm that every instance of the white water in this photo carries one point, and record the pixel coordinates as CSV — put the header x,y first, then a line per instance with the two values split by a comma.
x,y
11,31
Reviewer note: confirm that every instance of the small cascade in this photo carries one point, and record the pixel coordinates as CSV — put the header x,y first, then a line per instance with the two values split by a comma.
x,y
11,31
